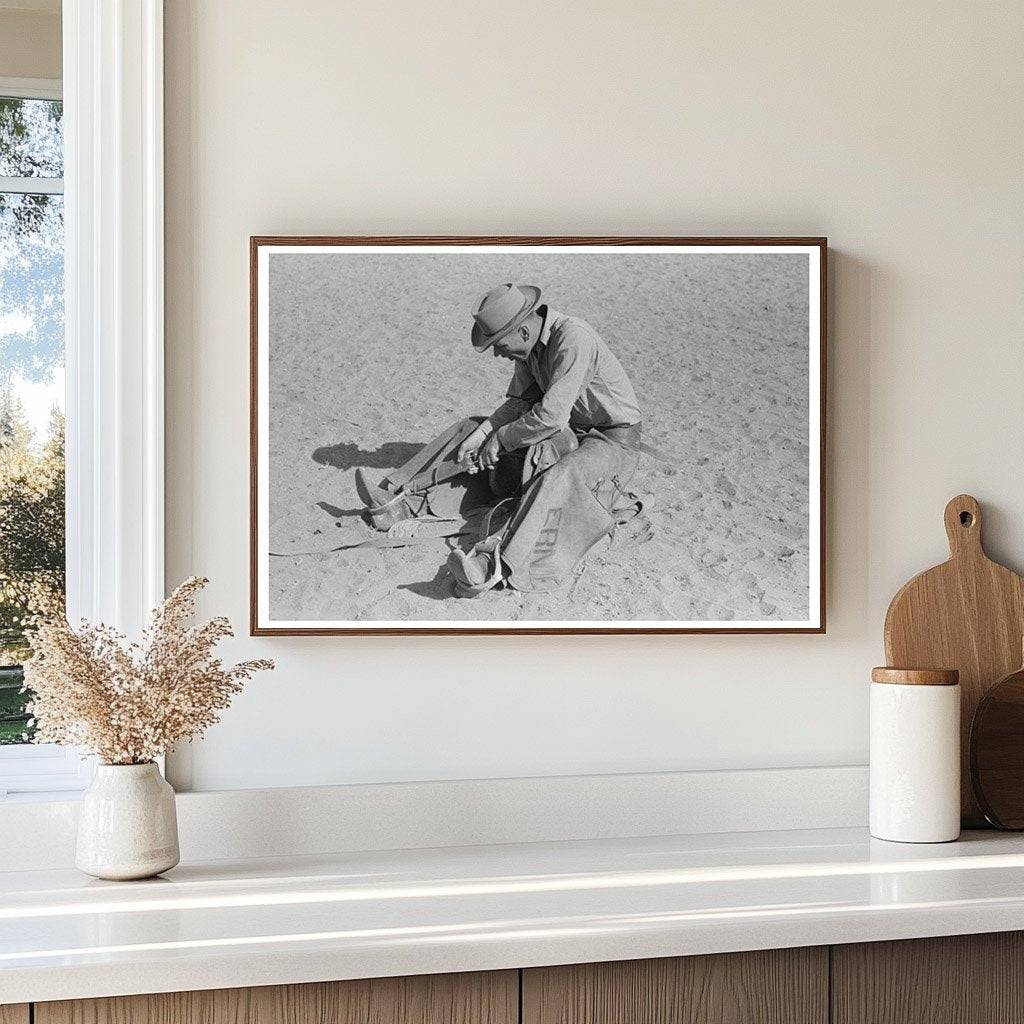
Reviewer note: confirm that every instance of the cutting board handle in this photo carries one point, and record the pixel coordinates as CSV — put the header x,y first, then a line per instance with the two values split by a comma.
x,y
963,526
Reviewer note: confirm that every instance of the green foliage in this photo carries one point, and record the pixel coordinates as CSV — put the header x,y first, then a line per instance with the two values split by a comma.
x,y
31,546
30,147
31,348
31,138
14,727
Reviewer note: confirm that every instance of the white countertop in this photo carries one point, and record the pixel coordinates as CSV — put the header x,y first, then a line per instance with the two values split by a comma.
x,y
261,922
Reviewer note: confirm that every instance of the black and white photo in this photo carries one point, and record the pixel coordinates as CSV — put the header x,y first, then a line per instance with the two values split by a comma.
x,y
547,435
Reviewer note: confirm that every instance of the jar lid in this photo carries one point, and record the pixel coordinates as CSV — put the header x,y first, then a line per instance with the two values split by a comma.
x,y
916,676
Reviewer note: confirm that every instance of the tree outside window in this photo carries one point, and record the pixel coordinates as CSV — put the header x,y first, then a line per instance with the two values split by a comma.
x,y
31,387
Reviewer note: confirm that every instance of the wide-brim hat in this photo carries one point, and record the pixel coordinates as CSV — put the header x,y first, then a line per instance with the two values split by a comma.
x,y
501,311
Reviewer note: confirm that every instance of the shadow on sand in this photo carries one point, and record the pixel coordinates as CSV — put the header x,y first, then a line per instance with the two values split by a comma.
x,y
437,589
346,455
340,513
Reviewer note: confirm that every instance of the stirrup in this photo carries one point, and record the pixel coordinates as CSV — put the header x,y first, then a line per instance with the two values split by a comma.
x,y
492,549
370,494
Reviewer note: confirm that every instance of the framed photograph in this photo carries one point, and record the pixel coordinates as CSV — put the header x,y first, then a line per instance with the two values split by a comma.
x,y
537,435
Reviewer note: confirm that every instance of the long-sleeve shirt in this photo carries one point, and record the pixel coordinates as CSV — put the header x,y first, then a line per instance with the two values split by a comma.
x,y
570,378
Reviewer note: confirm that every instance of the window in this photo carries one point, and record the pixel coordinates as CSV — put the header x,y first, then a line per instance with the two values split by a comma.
x,y
31,383
32,513
109,208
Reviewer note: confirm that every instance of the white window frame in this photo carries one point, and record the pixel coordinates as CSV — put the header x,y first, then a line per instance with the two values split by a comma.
x,y
114,325
32,88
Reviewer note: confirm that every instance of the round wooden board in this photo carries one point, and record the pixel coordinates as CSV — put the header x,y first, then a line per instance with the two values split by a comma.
x,y
997,752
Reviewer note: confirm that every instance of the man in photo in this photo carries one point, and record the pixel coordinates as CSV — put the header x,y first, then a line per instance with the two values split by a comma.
x,y
564,445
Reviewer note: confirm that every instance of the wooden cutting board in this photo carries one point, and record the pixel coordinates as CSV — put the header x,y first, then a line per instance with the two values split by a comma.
x,y
967,614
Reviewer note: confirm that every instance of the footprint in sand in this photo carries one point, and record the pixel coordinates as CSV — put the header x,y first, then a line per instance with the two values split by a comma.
x,y
710,558
678,606
725,486
670,584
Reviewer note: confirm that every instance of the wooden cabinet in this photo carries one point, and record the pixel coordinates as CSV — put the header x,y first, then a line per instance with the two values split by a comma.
x,y
962,979
490,998
970,979
777,986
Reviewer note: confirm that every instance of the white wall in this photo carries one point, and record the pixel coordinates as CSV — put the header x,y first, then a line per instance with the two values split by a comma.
x,y
895,129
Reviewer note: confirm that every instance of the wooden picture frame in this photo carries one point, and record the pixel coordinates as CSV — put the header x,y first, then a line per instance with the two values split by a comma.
x,y
808,386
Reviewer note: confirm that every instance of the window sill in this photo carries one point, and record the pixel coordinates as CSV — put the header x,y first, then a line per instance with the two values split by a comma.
x,y
44,771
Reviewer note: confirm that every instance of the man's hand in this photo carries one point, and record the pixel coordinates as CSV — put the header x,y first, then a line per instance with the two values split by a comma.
x,y
490,453
473,443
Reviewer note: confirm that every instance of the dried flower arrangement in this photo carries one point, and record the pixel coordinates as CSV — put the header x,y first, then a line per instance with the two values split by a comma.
x,y
131,703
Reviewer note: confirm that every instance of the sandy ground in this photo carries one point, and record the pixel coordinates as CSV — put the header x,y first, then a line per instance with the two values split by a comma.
x,y
370,357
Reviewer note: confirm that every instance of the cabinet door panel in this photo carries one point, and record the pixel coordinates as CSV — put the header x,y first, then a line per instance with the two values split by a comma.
x,y
960,979
14,1013
778,986
481,998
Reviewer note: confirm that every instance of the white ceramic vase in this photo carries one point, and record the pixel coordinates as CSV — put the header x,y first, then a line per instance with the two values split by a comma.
x,y
127,825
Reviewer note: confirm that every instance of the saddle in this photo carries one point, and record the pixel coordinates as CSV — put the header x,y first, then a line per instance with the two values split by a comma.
x,y
407,496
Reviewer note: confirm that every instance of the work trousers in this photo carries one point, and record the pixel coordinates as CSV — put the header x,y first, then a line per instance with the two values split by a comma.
x,y
567,501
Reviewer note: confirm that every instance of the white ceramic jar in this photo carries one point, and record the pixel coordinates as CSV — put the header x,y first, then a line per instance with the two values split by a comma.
x,y
127,824
915,755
